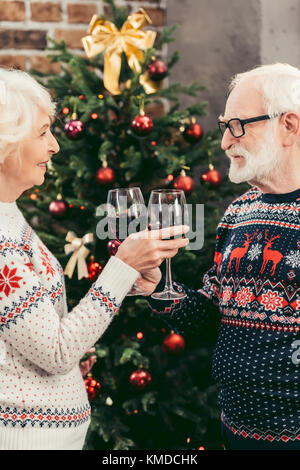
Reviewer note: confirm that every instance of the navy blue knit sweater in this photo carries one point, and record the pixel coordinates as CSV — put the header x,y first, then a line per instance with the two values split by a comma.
x,y
254,287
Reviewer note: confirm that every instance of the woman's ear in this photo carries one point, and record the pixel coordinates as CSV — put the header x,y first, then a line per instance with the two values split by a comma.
x,y
290,128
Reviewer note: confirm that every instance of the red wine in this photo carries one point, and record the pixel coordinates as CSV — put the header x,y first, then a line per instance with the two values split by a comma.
x,y
119,226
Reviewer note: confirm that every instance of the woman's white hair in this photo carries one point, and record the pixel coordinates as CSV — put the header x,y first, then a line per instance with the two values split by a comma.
x,y
20,98
278,83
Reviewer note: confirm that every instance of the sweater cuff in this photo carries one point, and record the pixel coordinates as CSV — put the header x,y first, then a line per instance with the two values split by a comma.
x,y
117,277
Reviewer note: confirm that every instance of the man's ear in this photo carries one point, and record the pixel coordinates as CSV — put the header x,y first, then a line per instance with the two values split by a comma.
x,y
290,128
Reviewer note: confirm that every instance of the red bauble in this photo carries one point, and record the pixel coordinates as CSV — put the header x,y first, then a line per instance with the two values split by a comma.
x,y
174,343
112,247
92,387
139,379
105,175
193,133
186,183
58,208
94,269
157,70
212,177
141,125
74,129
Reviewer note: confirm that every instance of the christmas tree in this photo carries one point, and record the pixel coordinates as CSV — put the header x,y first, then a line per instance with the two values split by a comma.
x,y
119,124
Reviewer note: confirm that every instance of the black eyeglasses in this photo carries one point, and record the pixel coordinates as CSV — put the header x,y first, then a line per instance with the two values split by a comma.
x,y
236,125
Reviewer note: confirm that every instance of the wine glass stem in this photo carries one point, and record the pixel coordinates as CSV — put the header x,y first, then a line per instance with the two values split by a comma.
x,y
168,285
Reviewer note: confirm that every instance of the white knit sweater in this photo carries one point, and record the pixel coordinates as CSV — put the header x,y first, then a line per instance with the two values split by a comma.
x,y
43,401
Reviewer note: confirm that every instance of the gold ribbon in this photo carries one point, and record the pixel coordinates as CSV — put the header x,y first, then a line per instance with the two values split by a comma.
x,y
79,255
103,35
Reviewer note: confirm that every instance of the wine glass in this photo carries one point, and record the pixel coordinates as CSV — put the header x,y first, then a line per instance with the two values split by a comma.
x,y
126,214
166,208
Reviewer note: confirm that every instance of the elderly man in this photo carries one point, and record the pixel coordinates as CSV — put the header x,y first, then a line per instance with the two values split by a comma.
x,y
254,280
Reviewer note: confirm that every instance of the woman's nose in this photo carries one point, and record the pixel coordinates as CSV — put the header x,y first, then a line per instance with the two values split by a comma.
x,y
54,145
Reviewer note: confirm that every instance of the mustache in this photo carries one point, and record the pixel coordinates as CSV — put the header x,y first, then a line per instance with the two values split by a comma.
x,y
236,150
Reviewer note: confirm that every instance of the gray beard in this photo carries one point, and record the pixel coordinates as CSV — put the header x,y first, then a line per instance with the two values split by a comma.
x,y
258,166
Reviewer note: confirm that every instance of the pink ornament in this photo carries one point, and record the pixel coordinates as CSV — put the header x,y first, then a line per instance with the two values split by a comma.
x,y
58,208
112,247
157,70
74,129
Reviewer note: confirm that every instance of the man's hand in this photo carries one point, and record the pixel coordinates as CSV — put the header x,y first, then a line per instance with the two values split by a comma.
x,y
147,282
85,366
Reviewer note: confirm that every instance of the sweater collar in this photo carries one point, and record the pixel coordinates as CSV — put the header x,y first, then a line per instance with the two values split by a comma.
x,y
286,197
9,208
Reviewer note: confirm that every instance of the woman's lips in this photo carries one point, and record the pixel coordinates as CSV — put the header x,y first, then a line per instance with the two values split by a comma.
x,y
43,166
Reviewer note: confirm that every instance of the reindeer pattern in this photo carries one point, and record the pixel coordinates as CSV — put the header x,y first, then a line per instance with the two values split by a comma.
x,y
269,254
239,252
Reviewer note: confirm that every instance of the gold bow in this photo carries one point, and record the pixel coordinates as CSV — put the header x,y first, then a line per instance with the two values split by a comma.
x,y
105,36
80,253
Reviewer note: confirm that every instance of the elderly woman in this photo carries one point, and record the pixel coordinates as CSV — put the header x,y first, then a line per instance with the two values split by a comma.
x,y
43,401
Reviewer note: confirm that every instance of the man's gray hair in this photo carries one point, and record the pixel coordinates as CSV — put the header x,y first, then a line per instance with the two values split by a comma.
x,y
278,83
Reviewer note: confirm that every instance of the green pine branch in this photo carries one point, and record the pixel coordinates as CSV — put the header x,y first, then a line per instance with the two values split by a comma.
x,y
120,14
172,91
166,36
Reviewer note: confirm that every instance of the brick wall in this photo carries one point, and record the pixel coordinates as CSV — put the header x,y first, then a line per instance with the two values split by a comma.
x,y
25,25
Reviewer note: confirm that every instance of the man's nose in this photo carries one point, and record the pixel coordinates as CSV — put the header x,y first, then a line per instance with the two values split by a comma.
x,y
228,140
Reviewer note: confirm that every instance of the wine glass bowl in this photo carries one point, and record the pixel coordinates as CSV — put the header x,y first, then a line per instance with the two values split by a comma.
x,y
125,205
126,214
167,208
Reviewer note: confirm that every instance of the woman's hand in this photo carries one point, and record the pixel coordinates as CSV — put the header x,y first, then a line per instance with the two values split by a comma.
x,y
146,250
85,366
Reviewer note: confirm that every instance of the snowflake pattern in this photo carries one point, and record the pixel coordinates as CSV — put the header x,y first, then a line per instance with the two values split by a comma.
x,y
8,280
271,300
243,296
254,252
46,262
30,266
227,251
226,295
293,259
